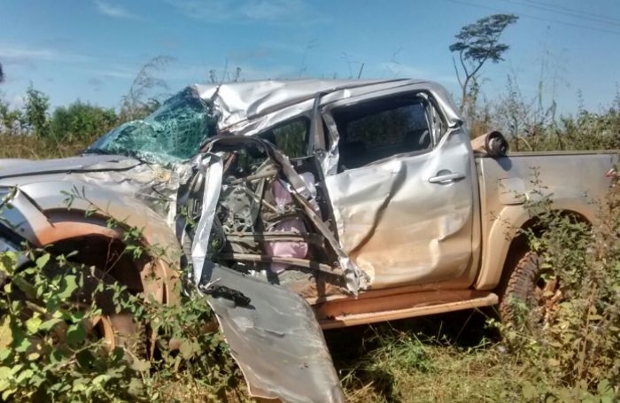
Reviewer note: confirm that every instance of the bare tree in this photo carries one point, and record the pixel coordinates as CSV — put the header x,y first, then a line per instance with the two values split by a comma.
x,y
135,103
226,77
1,74
476,44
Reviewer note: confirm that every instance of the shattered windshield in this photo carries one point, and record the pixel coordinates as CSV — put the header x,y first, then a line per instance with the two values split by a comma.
x,y
173,133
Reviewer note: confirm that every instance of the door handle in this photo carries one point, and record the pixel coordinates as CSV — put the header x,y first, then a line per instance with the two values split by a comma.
x,y
446,178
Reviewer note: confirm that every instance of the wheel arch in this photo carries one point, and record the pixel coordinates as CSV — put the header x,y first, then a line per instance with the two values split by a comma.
x,y
51,221
506,239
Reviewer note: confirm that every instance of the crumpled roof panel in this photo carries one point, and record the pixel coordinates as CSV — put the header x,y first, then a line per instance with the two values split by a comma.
x,y
248,99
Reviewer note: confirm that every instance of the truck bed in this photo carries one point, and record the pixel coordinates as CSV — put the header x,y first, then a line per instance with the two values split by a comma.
x,y
573,181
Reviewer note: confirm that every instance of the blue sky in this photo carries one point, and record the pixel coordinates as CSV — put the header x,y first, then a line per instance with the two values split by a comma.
x,y
92,49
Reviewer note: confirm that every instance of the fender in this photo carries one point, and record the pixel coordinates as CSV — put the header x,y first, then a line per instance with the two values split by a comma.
x,y
41,213
510,219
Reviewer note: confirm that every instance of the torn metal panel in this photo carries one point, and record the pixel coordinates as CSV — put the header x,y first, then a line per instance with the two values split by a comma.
x,y
247,108
397,225
329,163
240,105
301,193
243,101
276,341
22,169
21,216
211,169
154,185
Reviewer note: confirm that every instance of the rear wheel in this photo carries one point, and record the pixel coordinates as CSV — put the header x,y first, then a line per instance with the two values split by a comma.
x,y
529,295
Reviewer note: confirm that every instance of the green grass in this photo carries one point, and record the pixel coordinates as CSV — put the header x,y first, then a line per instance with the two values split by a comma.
x,y
442,358
31,147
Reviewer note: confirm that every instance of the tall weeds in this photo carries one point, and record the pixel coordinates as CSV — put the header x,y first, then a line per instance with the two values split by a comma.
x,y
571,352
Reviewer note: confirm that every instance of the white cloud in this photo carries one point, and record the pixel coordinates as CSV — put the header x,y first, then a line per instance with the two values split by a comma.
x,y
21,53
24,55
122,73
112,10
264,11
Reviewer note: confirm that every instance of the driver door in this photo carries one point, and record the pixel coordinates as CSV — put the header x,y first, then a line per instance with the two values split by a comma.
x,y
403,195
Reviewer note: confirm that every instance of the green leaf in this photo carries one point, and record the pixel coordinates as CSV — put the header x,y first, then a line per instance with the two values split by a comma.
x,y
16,369
49,324
136,387
32,324
7,393
68,286
76,316
79,385
4,354
188,349
6,336
7,263
100,379
529,391
24,375
57,356
76,334
42,260
22,344
5,375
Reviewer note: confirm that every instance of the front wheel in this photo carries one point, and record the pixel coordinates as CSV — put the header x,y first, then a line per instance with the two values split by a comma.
x,y
85,289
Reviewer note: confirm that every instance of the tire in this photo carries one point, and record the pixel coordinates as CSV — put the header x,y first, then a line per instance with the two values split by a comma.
x,y
117,329
518,290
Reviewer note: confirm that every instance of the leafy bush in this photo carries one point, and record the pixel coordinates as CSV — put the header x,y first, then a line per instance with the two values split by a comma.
x,y
50,350
81,122
571,352
36,112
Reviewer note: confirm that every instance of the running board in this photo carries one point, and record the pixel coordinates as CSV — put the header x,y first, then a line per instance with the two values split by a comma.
x,y
416,308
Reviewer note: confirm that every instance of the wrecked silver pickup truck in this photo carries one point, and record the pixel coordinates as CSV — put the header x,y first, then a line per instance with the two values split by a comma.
x,y
325,203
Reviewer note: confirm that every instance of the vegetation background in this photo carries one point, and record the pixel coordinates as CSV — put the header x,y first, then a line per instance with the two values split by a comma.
x,y
461,357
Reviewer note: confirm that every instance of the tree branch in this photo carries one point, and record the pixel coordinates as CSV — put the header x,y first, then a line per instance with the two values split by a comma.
x,y
463,63
456,70
479,66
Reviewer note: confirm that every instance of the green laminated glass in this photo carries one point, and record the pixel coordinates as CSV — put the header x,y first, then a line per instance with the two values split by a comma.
x,y
171,134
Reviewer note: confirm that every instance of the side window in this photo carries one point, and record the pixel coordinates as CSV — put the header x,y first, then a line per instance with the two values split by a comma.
x,y
291,138
379,129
